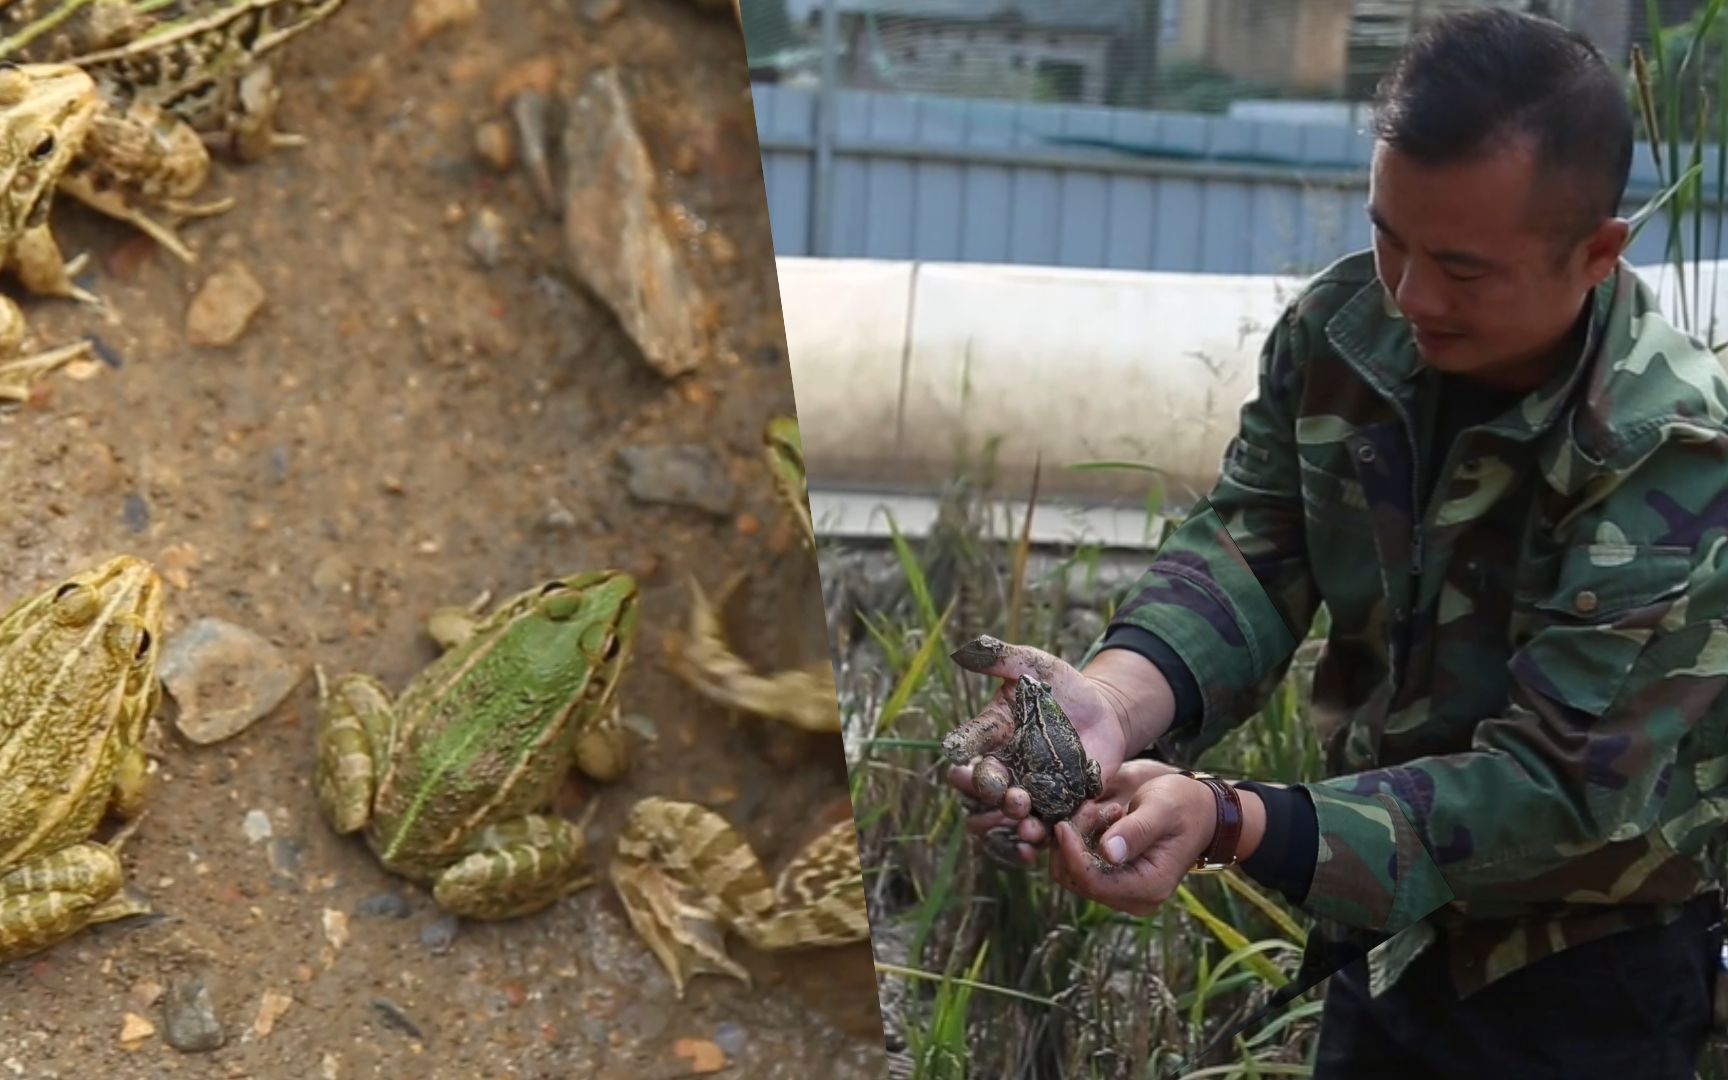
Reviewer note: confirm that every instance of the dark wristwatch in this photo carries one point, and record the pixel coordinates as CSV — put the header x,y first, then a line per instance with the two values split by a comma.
x,y
1221,855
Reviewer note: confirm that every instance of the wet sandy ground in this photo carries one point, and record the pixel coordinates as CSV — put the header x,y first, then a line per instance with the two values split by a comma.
x,y
400,428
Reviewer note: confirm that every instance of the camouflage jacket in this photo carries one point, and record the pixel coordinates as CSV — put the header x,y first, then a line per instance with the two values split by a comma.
x,y
1521,683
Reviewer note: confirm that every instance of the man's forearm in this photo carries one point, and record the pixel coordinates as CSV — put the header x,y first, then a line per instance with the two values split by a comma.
x,y
1141,695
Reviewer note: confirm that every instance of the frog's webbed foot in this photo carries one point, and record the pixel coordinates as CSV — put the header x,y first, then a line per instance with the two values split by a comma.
x,y
45,272
46,901
452,626
686,877
515,868
131,785
603,751
804,698
672,869
355,718
818,897
18,378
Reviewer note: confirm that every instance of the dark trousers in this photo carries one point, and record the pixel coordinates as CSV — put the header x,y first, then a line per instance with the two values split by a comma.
x,y
1631,1006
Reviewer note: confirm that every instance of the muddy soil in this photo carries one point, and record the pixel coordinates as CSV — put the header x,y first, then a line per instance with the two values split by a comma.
x,y
402,427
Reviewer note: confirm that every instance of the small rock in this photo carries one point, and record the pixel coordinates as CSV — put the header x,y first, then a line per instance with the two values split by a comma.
x,y
384,906
223,307
394,1017
145,993
731,1038
558,517
429,17
687,475
270,1009
486,237
601,12
528,111
438,934
493,143
704,1056
257,825
134,1029
223,678
617,238
189,1017
335,928
135,512
285,857
83,370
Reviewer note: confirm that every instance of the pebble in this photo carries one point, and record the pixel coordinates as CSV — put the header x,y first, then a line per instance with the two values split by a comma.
x,y
394,1017
224,307
430,17
731,1038
494,144
257,826
687,475
486,237
134,1029
189,1018
438,934
601,12
384,905
704,1056
224,678
270,1009
336,928
135,512
558,517
285,856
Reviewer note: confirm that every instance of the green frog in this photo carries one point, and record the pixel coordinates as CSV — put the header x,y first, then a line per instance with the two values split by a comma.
x,y
78,664
451,781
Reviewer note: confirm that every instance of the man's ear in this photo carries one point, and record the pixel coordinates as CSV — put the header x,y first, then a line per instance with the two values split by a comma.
x,y
1603,247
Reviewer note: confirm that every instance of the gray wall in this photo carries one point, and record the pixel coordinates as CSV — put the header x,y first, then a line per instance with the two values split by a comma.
x,y
978,181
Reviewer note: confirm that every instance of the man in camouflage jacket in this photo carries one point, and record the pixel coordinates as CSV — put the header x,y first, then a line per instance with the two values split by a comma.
x,y
1505,475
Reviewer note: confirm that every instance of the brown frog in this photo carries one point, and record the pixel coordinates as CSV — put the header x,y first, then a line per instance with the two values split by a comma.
x,y
1044,756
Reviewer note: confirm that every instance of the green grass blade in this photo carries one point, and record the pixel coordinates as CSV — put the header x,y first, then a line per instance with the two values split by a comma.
x,y
1228,936
914,675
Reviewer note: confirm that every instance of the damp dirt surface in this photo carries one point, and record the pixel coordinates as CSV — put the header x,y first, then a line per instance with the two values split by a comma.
x,y
402,427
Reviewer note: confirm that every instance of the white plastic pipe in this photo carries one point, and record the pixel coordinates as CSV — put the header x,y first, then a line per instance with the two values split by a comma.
x,y
899,365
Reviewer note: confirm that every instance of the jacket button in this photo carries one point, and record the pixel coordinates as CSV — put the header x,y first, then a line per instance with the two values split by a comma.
x,y
1586,601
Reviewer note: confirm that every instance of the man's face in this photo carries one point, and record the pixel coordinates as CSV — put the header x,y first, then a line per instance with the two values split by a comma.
x,y
1472,266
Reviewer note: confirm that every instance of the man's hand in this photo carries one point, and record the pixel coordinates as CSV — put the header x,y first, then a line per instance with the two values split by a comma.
x,y
1169,821
1099,707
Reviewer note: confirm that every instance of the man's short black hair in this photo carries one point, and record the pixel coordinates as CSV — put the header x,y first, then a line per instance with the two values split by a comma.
x,y
1470,82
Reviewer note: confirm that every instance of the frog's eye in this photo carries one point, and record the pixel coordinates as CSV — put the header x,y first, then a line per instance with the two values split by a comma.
x,y
43,149
559,608
75,603
128,639
551,587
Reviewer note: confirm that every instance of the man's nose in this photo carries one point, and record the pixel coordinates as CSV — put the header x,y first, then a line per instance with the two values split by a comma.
x,y
1419,296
